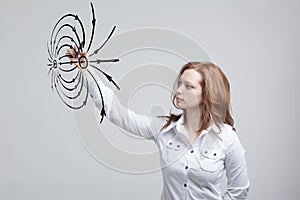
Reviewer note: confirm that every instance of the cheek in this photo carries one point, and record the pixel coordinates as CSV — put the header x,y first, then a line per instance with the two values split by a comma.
x,y
200,97
199,94
195,98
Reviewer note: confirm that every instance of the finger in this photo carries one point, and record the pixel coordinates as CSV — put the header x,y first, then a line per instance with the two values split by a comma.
x,y
74,60
75,48
70,52
83,53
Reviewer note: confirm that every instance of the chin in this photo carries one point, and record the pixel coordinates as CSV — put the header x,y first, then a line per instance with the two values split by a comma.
x,y
180,106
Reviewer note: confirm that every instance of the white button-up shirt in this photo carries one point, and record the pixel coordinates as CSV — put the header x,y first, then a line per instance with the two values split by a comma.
x,y
191,170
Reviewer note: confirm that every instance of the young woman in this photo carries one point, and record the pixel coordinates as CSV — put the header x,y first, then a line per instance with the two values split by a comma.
x,y
197,146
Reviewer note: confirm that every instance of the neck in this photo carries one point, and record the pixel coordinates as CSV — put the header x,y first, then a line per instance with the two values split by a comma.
x,y
192,118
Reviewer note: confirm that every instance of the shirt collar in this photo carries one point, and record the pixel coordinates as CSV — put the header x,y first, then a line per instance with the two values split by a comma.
x,y
213,126
182,131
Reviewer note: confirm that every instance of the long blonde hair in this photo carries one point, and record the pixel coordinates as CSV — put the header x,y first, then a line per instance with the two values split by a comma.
x,y
215,104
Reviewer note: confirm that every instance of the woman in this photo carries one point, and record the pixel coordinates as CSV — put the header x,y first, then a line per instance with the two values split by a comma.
x,y
197,146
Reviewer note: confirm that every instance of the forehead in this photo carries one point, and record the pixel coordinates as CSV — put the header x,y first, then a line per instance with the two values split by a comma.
x,y
191,75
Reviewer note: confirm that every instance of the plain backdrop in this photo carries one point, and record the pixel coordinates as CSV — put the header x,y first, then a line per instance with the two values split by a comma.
x,y
256,43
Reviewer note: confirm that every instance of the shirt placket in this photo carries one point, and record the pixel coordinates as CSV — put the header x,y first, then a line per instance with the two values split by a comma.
x,y
189,157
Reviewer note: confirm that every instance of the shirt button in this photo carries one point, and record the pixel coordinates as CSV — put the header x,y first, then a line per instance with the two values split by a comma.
x,y
192,151
185,185
170,143
186,167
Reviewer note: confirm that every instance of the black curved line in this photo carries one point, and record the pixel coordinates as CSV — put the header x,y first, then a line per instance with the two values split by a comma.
x,y
50,70
67,63
52,78
54,28
63,37
59,81
72,107
78,93
97,50
82,29
73,29
93,29
98,61
67,55
68,37
73,79
67,70
102,101
65,16
53,50
107,76
64,56
65,87
61,89
49,51
62,46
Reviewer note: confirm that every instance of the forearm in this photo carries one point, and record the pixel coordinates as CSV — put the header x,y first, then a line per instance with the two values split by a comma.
x,y
101,94
141,125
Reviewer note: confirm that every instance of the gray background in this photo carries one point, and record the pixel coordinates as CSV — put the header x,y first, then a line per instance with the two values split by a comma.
x,y
256,43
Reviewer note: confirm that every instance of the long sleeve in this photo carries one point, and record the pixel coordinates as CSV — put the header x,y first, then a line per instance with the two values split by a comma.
x,y
236,171
141,125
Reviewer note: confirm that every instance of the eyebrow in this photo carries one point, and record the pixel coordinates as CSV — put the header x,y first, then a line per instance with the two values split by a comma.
x,y
185,81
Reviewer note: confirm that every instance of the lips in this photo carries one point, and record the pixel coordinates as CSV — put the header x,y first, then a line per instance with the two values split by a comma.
x,y
179,99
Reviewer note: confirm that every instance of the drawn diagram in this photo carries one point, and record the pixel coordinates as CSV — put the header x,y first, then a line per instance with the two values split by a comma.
x,y
67,70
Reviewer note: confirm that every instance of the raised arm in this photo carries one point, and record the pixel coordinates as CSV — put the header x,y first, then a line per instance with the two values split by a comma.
x,y
141,125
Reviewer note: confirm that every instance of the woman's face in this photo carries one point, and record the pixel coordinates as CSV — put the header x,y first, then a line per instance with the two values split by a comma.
x,y
189,91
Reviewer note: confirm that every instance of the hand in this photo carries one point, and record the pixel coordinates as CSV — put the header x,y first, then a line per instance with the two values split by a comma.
x,y
79,60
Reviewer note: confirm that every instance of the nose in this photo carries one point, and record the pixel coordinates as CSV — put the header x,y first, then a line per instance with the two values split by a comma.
x,y
179,90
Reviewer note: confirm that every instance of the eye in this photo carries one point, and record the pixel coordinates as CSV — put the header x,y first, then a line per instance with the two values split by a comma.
x,y
189,87
179,83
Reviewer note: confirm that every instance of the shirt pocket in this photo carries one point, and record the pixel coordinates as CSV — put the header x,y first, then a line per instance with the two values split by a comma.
x,y
211,160
172,151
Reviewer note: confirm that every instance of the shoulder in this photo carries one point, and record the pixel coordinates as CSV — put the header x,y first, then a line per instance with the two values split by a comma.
x,y
168,122
230,137
227,133
164,124
158,123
